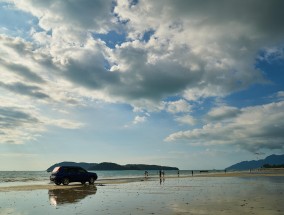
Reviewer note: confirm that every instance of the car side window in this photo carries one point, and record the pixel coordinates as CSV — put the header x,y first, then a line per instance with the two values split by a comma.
x,y
81,171
73,170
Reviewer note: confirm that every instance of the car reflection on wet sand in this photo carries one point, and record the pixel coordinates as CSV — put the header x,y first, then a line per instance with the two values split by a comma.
x,y
70,195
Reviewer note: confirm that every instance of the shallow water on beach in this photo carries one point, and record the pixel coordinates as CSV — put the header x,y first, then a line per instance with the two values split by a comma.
x,y
10,178
195,195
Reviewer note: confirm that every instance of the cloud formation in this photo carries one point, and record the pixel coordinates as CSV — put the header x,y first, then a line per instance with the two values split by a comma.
x,y
24,123
23,89
23,71
83,15
17,126
193,50
180,106
251,128
175,53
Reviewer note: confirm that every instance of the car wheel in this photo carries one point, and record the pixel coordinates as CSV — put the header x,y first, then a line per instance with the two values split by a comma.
x,y
83,182
57,182
91,180
65,181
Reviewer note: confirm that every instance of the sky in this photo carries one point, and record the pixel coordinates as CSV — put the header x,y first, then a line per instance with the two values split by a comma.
x,y
190,84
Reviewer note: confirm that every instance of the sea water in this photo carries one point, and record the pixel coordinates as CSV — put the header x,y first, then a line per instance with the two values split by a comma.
x,y
9,178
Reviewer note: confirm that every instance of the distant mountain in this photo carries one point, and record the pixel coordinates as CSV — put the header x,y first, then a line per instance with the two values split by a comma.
x,y
254,164
148,167
111,166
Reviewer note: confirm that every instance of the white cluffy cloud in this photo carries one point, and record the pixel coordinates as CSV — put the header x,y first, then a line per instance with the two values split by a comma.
x,y
186,120
251,128
23,123
223,112
199,37
139,119
180,106
81,15
192,50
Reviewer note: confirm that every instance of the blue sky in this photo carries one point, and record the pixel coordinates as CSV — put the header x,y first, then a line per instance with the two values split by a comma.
x,y
191,84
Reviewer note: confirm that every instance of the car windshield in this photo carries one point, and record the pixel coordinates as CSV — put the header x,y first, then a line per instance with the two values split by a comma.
x,y
55,169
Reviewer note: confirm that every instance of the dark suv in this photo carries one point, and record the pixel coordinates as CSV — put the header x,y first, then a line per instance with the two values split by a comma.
x,y
67,174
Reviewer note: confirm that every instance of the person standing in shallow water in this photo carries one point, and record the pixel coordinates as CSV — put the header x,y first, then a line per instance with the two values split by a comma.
x,y
146,174
178,173
160,173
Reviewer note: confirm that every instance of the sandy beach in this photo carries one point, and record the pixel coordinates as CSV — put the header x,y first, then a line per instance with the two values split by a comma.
x,y
221,193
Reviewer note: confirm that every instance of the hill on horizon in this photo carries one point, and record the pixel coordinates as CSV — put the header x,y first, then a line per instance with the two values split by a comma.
x,y
111,166
254,164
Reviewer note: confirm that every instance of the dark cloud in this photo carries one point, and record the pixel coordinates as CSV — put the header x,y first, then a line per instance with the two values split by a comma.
x,y
264,16
90,74
18,125
11,118
156,82
140,81
23,71
223,113
19,46
27,90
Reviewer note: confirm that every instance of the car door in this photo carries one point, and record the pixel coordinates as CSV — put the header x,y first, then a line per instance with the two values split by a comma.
x,y
72,174
82,175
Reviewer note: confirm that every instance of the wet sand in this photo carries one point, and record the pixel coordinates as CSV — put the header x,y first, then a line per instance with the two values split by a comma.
x,y
230,193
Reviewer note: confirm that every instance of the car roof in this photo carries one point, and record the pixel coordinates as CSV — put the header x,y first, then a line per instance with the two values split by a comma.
x,y
77,167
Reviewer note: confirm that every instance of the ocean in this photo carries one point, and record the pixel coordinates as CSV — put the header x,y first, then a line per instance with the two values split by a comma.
x,y
10,178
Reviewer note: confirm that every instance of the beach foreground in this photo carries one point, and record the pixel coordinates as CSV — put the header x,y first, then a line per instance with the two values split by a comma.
x,y
231,193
